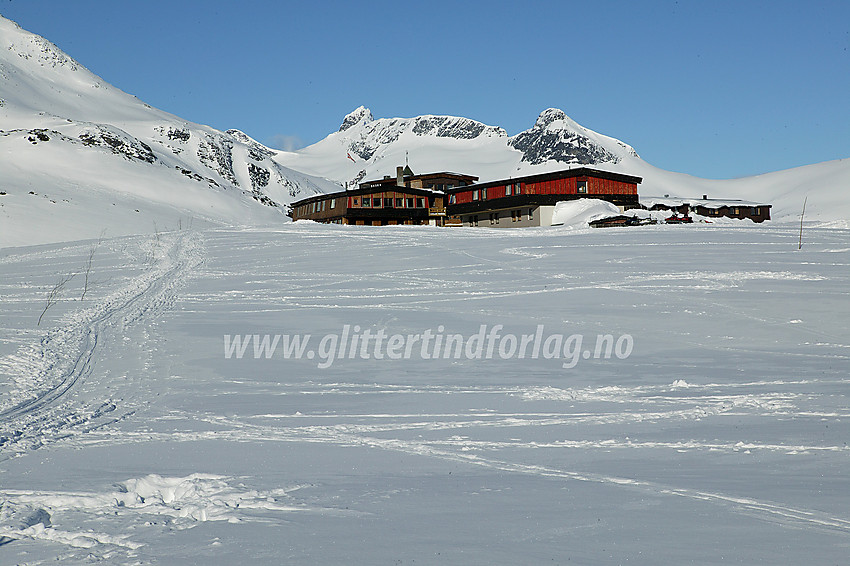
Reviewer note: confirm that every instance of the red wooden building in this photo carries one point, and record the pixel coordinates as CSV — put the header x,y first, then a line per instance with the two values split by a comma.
x,y
530,200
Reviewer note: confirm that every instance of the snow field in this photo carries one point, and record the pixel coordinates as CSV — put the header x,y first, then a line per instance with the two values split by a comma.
x,y
722,438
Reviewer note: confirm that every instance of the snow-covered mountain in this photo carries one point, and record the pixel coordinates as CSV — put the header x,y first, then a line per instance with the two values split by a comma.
x,y
365,147
78,156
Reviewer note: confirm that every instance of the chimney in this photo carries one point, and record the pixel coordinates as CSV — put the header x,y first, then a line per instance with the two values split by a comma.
x,y
399,176
704,197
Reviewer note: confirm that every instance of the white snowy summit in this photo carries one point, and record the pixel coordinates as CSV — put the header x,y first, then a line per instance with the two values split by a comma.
x,y
79,156
556,137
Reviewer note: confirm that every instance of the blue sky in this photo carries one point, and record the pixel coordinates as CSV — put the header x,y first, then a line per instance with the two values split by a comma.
x,y
717,89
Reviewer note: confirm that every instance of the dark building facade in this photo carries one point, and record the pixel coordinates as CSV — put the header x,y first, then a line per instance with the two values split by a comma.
x,y
712,208
404,199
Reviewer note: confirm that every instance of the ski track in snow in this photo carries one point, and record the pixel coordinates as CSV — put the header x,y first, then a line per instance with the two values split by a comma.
x,y
38,409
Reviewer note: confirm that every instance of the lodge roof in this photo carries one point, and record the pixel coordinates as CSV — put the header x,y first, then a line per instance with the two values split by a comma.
x,y
388,179
365,191
563,173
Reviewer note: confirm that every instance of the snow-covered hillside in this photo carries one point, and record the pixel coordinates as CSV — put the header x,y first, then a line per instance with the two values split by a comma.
x,y
79,156
365,147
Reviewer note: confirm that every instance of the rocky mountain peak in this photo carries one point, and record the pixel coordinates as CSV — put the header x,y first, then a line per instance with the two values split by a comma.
x,y
556,137
548,116
361,114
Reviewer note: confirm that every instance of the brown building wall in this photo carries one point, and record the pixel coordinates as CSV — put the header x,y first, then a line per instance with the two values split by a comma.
x,y
404,208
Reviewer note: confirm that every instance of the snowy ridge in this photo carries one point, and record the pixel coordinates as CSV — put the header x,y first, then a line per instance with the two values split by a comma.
x,y
365,147
102,159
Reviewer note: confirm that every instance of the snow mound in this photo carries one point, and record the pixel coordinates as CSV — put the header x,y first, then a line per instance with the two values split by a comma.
x,y
181,502
579,213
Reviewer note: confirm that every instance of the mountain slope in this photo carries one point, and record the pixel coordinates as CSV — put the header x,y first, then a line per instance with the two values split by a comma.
x,y
368,148
78,156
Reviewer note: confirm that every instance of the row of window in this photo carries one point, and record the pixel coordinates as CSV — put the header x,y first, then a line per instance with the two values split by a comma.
x,y
481,194
365,202
513,189
737,211
516,216
376,202
318,206
510,190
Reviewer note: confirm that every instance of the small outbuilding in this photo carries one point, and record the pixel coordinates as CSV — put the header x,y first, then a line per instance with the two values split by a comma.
x,y
710,208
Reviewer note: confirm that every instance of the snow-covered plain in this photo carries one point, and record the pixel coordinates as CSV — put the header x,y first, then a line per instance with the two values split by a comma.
x,y
129,438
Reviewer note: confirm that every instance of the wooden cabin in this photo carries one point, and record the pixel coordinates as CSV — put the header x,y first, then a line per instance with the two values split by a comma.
x,y
530,200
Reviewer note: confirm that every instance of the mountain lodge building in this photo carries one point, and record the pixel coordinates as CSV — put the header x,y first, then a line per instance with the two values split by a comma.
x,y
405,199
452,199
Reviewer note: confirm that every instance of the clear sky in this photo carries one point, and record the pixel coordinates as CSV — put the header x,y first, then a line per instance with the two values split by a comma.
x,y
717,88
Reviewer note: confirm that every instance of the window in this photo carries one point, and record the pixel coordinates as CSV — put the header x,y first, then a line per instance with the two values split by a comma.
x,y
474,194
531,214
517,189
356,202
367,201
333,203
399,203
408,203
452,199
483,194
420,203
582,187
508,190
